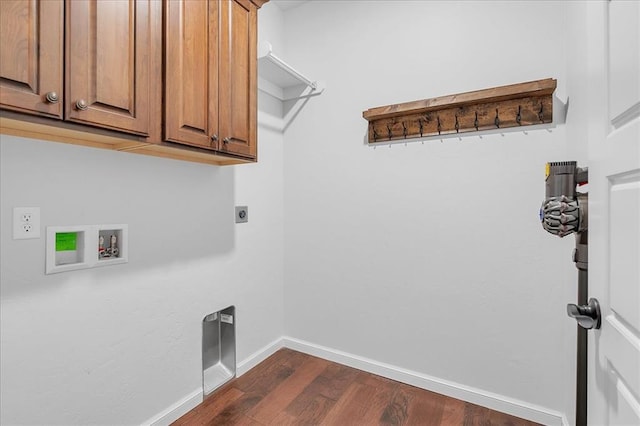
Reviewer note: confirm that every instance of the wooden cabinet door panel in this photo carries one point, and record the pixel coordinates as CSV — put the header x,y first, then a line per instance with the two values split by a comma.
x,y
238,79
191,97
31,56
108,63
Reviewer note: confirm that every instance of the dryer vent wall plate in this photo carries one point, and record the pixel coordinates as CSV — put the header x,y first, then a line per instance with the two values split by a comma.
x,y
218,349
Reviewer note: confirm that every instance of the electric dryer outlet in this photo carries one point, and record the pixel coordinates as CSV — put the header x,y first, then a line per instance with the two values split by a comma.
x,y
242,214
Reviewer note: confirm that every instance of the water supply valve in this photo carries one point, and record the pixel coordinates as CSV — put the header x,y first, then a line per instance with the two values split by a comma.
x,y
564,209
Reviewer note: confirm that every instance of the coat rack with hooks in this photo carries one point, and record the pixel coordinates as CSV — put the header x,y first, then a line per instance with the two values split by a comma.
x,y
522,104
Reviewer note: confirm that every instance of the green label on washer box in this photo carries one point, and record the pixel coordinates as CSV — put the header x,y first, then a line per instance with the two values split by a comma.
x,y
66,241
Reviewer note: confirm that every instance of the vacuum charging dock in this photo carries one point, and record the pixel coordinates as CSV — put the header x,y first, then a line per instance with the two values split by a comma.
x,y
218,349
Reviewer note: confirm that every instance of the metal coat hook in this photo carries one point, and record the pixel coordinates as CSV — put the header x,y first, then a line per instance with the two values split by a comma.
x,y
484,111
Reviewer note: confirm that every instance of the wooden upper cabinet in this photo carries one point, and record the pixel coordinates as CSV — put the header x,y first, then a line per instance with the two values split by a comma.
x,y
191,60
31,56
171,74
108,55
238,79
211,75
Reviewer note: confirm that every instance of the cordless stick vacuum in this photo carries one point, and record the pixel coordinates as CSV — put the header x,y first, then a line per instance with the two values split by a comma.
x,y
564,211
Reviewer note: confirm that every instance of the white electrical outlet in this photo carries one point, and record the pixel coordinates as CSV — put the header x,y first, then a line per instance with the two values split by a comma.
x,y
26,223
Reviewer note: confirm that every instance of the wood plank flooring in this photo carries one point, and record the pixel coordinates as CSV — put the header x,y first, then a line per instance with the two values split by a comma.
x,y
292,388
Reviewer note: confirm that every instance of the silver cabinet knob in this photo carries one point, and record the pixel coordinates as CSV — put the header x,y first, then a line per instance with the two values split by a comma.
x,y
214,138
52,97
81,105
226,140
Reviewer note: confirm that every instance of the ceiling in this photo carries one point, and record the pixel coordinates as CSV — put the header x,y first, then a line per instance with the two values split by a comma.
x,y
288,4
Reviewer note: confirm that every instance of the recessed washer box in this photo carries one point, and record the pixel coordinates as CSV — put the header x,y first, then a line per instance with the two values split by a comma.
x,y
70,248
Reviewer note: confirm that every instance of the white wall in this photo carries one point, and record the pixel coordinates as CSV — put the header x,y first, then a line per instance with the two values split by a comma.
x,y
428,257
121,344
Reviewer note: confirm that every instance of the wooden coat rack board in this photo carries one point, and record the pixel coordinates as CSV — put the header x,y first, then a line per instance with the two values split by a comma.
x,y
522,104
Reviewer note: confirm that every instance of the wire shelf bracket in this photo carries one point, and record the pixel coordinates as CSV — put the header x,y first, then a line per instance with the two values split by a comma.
x,y
281,80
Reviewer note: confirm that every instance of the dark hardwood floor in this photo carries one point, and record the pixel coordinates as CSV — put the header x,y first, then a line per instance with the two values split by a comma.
x,y
292,388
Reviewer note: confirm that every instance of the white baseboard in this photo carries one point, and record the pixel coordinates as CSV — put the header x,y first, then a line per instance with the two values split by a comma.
x,y
177,410
258,356
455,390
185,405
490,400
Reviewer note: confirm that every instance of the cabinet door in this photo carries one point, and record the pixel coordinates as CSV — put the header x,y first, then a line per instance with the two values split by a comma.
x,y
238,79
31,56
108,63
191,61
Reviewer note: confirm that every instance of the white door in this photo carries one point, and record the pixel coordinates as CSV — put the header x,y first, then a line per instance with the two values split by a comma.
x,y
614,210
